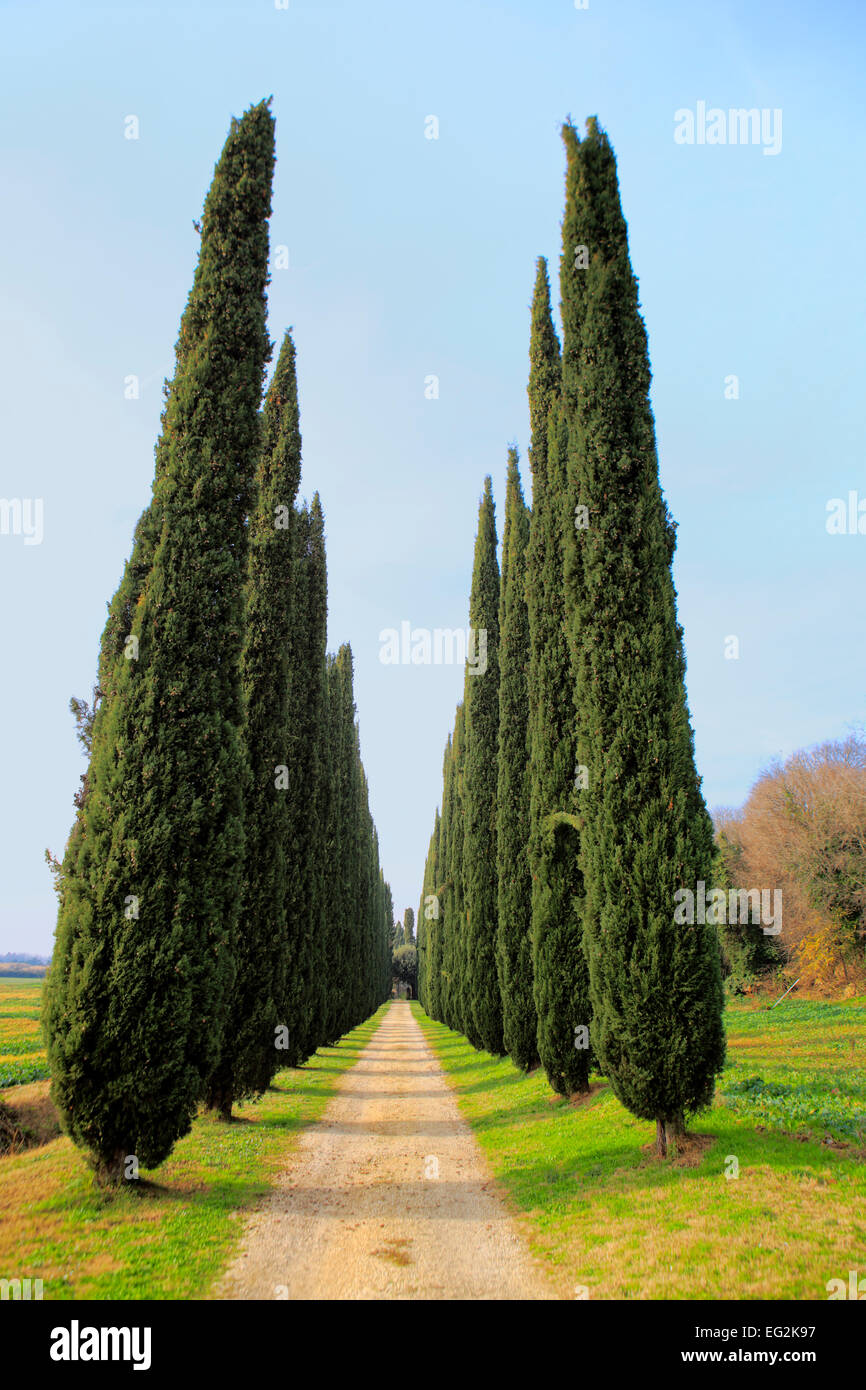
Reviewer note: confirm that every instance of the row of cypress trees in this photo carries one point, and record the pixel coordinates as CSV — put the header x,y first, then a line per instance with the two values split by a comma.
x,y
222,908
582,804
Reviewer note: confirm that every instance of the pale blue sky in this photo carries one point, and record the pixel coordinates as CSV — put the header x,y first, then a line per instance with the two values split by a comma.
x,y
410,257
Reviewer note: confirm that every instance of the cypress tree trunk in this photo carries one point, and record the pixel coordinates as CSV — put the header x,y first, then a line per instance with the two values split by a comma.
x,y
513,941
143,962
561,981
249,1064
656,986
481,701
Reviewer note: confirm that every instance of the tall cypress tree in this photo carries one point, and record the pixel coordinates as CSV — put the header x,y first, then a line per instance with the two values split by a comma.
x,y
368,868
386,915
344,865
428,917
514,941
137,998
249,1064
450,890
561,982
438,954
457,999
332,887
656,986
306,905
481,701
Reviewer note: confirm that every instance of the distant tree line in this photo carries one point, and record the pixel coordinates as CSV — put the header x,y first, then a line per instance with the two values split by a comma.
x,y
223,912
801,834
571,808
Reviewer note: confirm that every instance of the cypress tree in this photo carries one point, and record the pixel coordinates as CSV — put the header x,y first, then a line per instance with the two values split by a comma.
x,y
428,917
561,982
457,1013
362,830
449,892
386,905
303,1002
481,701
367,927
345,867
656,986
437,955
408,926
143,962
513,941
249,1064
332,886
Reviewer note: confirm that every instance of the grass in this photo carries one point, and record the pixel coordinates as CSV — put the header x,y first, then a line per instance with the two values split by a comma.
x,y
171,1235
611,1221
22,1050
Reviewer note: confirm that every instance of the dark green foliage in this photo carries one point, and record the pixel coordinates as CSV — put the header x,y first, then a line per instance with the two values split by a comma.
x,y
561,981
136,1004
746,951
428,919
303,1001
405,967
358,914
408,926
251,1059
342,878
386,916
437,927
483,1019
514,940
645,832
453,986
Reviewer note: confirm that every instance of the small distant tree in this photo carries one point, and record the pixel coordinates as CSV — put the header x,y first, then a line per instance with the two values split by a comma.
x,y
409,927
405,967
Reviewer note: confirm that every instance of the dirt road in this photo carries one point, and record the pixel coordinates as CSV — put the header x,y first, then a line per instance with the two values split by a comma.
x,y
387,1196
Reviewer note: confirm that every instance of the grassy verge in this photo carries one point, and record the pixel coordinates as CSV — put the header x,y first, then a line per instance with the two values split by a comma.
x,y
171,1235
612,1221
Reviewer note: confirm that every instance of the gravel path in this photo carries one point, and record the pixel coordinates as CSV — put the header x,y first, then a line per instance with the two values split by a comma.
x,y
387,1196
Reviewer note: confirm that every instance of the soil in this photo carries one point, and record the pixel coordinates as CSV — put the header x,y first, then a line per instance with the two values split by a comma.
x,y
387,1196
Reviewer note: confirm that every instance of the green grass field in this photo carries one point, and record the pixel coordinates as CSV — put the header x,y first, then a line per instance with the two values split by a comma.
x,y
22,1051
608,1218
612,1221
171,1235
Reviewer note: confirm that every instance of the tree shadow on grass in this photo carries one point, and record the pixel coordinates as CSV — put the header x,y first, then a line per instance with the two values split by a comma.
x,y
631,1166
